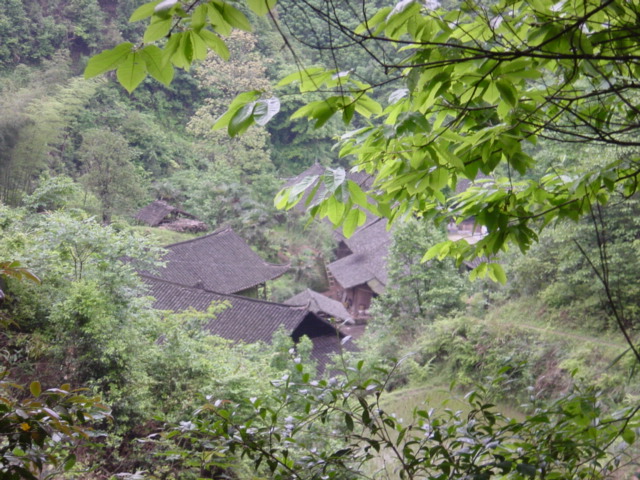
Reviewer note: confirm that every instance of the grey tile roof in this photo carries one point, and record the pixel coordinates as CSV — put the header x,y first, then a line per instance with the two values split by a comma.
x,y
247,319
369,236
221,262
364,267
318,303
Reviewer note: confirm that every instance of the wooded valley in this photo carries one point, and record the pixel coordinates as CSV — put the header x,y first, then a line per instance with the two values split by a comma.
x,y
319,239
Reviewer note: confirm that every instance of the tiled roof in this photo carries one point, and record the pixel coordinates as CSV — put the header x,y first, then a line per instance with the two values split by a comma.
x,y
320,304
158,210
221,262
369,237
364,267
247,319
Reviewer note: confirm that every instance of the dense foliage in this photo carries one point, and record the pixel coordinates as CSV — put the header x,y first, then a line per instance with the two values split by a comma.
x,y
437,94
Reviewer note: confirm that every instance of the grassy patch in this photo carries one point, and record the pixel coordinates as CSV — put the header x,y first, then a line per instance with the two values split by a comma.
x,y
163,237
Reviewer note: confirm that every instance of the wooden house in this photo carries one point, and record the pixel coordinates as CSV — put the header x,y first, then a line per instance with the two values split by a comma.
x,y
361,274
219,262
163,215
251,320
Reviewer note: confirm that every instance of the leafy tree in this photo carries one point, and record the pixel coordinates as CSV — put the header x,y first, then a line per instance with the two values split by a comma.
x,y
419,290
40,431
224,78
52,194
109,172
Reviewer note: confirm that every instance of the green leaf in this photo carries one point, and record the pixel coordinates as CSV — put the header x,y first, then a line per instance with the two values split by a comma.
x,y
107,60
507,92
69,463
629,436
157,67
335,210
158,29
354,219
240,101
241,120
18,452
132,71
36,388
348,421
234,17
217,21
143,11
215,43
199,46
356,194
199,17
433,252
496,273
261,7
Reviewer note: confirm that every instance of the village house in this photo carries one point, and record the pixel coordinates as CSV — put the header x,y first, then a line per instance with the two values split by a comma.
x,y
163,215
219,262
251,320
361,273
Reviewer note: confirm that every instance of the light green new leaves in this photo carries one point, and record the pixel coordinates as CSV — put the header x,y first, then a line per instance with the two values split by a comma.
x,y
493,270
184,45
143,11
156,65
132,71
261,7
107,60
132,66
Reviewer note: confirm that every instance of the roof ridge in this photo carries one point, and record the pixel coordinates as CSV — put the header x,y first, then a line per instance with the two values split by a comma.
x,y
256,300
223,230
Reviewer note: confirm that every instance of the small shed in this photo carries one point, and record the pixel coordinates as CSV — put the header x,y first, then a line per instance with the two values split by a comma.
x,y
163,215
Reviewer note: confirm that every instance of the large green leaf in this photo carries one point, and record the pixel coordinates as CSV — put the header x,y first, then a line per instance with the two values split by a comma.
x,y
143,11
241,120
157,67
261,7
132,71
215,43
240,101
158,29
107,60
234,17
